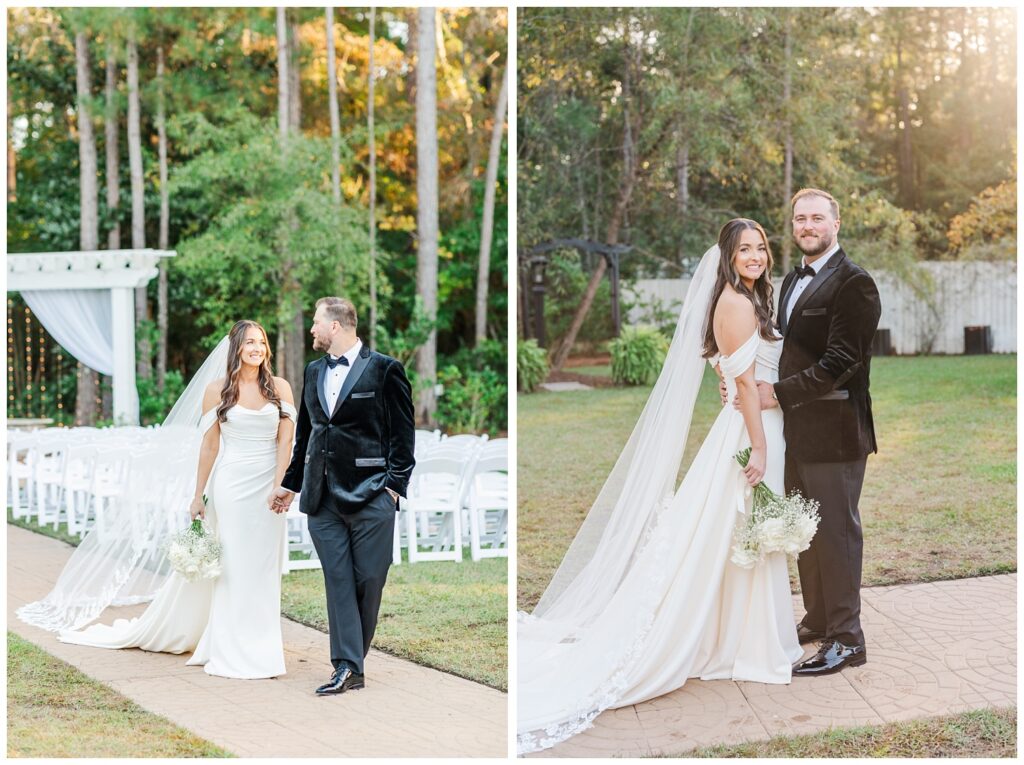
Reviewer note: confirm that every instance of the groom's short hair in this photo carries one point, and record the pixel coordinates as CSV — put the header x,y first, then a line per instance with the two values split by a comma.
x,y
816,193
339,310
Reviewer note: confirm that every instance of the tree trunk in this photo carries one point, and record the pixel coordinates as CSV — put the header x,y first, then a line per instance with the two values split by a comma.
x,y
427,198
682,183
165,214
142,368
88,386
294,77
290,336
332,103
12,175
630,165
282,78
905,157
112,132
373,184
88,208
487,230
787,175
88,237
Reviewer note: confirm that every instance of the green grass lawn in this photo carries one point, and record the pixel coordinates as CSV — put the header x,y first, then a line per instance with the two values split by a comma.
x,y
445,615
938,500
600,370
980,733
53,710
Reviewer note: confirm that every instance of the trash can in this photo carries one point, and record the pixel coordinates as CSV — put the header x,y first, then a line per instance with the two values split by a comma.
x,y
977,339
881,344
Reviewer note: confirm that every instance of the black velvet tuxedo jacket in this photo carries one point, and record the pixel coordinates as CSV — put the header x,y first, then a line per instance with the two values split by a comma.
x,y
366,445
825,368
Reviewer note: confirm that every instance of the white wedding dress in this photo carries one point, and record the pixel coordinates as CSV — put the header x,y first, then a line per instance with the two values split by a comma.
x,y
682,609
233,623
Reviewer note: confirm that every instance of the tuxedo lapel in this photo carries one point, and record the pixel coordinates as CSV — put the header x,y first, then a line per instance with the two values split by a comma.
x,y
321,373
819,279
787,286
358,367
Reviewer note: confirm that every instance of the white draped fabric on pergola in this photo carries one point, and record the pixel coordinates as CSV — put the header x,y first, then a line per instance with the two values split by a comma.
x,y
86,301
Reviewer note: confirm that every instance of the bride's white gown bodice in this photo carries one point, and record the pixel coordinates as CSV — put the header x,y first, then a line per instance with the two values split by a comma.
x,y
683,609
233,623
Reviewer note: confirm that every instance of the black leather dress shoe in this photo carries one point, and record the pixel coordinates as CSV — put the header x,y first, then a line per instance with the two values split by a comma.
x,y
831,657
807,635
344,679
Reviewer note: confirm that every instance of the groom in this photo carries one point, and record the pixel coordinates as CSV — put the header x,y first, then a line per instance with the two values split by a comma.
x,y
353,457
828,313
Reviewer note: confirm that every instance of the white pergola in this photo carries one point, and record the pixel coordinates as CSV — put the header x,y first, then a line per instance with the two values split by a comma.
x,y
118,272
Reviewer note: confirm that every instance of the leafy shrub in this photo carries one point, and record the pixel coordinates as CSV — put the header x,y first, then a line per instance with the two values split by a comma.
x,y
638,355
154,405
474,401
531,365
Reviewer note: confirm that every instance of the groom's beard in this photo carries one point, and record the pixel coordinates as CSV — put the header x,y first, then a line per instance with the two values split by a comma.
x,y
321,345
824,243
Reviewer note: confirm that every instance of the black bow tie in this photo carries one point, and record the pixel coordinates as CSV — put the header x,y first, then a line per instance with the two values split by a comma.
x,y
802,271
332,362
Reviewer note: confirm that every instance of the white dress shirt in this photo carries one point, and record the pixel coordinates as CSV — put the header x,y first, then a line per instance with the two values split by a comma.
x,y
335,378
803,281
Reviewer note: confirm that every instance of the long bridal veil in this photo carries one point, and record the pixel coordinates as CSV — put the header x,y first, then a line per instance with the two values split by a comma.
x,y
615,534
121,560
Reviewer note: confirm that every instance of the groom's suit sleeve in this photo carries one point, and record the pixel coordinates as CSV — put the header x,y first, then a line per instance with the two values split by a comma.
x,y
857,311
401,425
296,469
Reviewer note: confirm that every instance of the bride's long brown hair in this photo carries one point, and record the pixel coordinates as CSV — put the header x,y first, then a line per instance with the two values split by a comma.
x,y
265,377
762,294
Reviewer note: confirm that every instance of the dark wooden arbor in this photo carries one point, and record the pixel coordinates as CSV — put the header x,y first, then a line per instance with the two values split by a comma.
x,y
533,262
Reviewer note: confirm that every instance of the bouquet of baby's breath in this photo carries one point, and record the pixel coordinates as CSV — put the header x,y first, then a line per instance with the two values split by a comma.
x,y
194,554
774,524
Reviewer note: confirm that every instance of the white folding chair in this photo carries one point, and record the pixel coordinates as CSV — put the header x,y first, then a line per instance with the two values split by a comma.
x,y
488,507
109,479
79,469
48,473
20,460
436,491
299,540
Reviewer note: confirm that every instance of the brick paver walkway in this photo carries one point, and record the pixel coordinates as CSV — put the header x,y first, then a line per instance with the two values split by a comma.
x,y
933,649
405,711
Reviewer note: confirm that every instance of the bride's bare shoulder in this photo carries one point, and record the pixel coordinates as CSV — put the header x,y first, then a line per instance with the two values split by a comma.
x,y
734,320
211,396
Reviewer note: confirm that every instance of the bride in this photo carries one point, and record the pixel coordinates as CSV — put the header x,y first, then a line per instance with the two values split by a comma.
x,y
647,596
231,624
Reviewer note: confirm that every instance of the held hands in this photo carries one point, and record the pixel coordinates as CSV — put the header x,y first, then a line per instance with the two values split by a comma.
x,y
764,391
197,509
280,500
754,471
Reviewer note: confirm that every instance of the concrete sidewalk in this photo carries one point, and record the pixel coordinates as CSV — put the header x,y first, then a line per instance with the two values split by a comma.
x,y
405,710
933,649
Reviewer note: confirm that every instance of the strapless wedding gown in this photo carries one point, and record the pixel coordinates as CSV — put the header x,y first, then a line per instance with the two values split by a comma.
x,y
684,609
232,624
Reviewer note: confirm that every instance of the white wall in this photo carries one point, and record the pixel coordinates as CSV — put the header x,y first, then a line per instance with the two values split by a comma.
x,y
967,294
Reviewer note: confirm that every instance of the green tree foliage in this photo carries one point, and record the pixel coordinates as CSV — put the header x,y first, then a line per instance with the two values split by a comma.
x,y
878,98
230,197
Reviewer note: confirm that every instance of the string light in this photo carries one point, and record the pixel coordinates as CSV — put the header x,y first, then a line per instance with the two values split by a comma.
x,y
60,388
10,356
28,362
42,366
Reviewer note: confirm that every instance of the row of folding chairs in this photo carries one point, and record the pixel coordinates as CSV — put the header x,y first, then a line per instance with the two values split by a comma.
x,y
71,475
458,496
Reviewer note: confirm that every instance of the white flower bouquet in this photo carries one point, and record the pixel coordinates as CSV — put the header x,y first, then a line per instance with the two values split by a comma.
x,y
194,554
774,524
